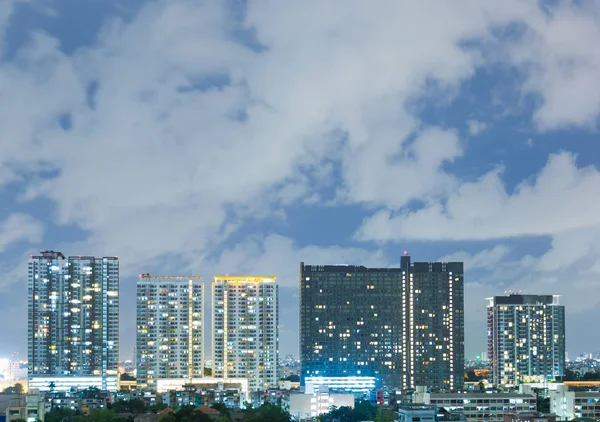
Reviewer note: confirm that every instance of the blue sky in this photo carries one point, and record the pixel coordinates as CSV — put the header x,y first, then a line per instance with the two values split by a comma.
x,y
209,137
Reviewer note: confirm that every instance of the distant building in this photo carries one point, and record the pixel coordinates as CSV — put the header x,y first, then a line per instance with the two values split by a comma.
x,y
73,318
526,338
246,330
170,328
403,326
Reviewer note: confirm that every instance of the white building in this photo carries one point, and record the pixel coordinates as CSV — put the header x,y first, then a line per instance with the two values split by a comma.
x,y
170,328
65,384
30,408
246,330
526,338
569,405
417,413
306,406
480,407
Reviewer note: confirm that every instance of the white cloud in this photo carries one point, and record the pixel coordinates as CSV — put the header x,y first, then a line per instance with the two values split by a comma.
x,y
476,127
561,197
153,167
559,50
164,164
486,258
17,227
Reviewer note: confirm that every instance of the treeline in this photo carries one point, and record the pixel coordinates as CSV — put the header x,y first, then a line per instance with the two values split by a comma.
x,y
126,411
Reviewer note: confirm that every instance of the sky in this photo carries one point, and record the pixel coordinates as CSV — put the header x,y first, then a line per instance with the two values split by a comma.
x,y
243,137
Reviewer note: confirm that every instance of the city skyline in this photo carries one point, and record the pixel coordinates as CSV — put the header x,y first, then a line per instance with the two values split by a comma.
x,y
244,137
207,315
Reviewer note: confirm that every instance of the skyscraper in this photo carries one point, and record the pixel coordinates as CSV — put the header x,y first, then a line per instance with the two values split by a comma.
x,y
526,338
170,328
73,320
350,323
403,326
246,330
433,324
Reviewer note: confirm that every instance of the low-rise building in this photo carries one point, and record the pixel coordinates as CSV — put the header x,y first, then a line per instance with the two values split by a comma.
x,y
417,413
29,407
480,406
307,406
203,391
568,404
530,417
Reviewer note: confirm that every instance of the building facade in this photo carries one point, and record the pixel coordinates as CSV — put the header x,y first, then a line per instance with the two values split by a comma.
x,y
170,328
526,338
350,323
73,317
433,333
404,326
480,407
246,330
574,404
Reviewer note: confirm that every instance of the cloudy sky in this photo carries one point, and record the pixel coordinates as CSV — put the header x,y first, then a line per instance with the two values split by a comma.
x,y
213,137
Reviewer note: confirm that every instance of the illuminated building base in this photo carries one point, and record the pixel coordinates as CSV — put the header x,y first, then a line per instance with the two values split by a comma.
x,y
66,384
354,384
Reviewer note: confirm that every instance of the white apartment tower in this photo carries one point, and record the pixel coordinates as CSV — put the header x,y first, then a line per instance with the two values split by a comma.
x,y
246,330
170,328
526,338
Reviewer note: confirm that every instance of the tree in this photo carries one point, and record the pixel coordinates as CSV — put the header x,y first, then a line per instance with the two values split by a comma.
x,y
224,410
15,389
127,377
267,413
363,411
208,372
58,414
385,414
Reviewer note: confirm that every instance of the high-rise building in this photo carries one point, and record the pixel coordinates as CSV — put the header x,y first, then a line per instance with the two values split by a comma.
x,y
350,323
170,328
403,326
246,330
433,332
73,320
526,338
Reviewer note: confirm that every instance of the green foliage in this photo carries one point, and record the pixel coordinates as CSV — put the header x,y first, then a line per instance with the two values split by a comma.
x,y
363,411
129,406
15,389
59,414
127,377
267,413
224,410
385,414
470,376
